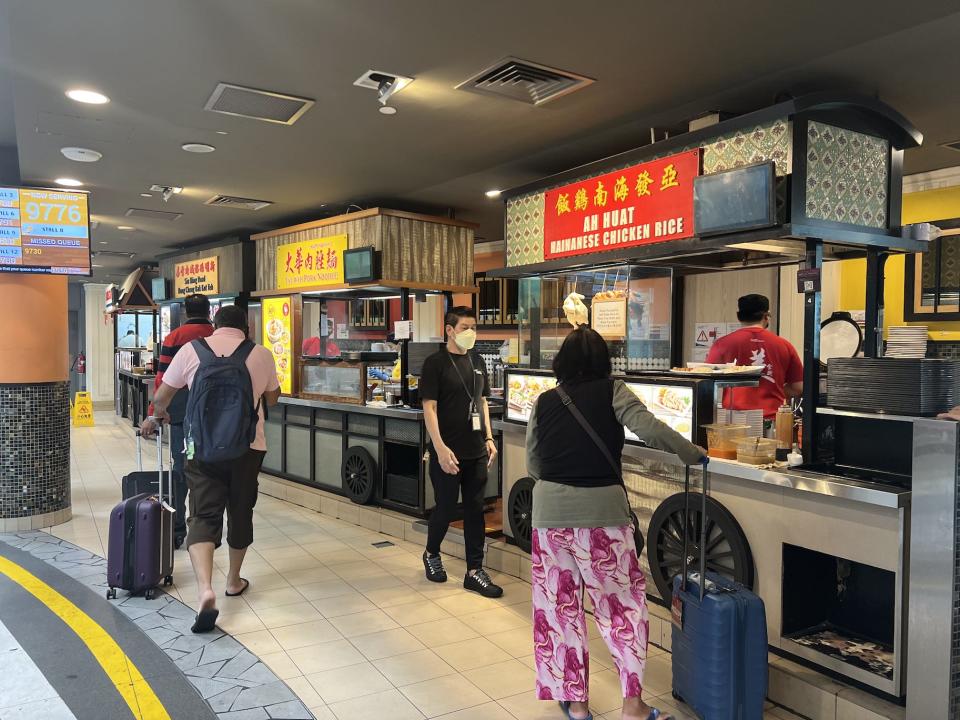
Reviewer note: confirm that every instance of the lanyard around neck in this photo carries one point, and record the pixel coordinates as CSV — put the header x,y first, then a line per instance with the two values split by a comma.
x,y
471,395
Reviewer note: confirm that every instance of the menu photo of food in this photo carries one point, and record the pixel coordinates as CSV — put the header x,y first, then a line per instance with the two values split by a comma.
x,y
670,404
277,323
522,393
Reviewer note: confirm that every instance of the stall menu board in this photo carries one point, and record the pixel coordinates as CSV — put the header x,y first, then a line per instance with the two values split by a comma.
x,y
670,404
277,334
522,393
647,203
197,276
44,231
311,263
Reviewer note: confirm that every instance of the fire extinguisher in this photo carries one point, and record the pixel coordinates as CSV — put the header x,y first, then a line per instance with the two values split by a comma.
x,y
81,363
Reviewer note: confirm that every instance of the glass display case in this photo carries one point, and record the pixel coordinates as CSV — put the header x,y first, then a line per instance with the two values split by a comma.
x,y
630,306
333,381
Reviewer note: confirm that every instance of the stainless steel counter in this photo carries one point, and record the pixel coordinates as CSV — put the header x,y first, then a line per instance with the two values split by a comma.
x,y
888,496
402,413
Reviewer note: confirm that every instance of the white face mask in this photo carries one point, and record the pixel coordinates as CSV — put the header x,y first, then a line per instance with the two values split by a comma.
x,y
466,339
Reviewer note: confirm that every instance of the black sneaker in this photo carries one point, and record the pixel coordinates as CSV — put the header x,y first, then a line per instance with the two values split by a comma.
x,y
433,566
481,583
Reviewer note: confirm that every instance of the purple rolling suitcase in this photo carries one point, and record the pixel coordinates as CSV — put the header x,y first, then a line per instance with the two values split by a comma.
x,y
140,549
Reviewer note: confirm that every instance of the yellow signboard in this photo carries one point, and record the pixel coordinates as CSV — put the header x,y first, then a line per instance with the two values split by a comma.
x,y
196,276
82,410
277,337
311,263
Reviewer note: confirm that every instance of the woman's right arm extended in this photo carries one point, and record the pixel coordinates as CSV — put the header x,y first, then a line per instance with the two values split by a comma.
x,y
634,415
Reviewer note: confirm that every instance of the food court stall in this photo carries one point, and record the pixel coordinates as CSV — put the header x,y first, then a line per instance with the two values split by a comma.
x,y
224,271
350,307
134,316
831,544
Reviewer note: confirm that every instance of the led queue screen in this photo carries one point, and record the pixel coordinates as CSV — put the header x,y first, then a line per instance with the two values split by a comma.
x,y
44,231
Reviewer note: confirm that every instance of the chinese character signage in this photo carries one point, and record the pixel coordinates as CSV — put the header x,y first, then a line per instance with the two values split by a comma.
x,y
277,334
311,263
647,203
196,276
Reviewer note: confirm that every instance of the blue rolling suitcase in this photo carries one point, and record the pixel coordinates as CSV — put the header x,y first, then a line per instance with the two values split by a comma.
x,y
719,640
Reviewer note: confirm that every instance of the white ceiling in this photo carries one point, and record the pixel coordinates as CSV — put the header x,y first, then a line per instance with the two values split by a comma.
x,y
655,64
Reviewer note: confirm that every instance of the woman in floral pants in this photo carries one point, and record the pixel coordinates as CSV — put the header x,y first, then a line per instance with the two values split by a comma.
x,y
582,531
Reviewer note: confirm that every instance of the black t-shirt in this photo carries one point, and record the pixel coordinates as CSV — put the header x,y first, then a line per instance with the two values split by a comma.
x,y
448,382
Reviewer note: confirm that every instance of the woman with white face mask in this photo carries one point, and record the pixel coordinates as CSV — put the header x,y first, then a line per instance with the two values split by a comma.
x,y
454,390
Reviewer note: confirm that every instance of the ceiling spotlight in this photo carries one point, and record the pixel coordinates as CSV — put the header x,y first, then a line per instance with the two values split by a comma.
x,y
146,195
221,132
193,147
388,110
493,193
125,227
90,97
79,154
104,242
166,191
69,182
95,265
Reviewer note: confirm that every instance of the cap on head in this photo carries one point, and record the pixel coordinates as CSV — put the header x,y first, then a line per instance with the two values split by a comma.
x,y
752,308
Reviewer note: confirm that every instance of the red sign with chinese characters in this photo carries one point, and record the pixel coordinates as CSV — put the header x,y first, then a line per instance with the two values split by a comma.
x,y
648,203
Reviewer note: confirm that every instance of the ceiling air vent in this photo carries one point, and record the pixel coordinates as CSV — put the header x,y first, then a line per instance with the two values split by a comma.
x,y
153,214
257,104
527,82
241,203
955,145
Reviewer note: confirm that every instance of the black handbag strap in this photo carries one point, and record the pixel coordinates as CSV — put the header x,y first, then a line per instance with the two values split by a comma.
x,y
591,433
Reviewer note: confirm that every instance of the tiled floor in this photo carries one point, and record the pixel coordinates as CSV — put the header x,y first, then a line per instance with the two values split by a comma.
x,y
356,631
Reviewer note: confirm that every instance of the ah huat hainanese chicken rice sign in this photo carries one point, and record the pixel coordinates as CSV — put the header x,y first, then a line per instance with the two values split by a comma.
x,y
311,263
647,203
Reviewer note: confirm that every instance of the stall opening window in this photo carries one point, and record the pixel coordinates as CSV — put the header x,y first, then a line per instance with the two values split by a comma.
x,y
630,306
134,329
933,278
334,326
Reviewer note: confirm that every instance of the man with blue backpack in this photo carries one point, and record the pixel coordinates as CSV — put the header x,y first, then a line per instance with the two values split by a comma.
x,y
230,378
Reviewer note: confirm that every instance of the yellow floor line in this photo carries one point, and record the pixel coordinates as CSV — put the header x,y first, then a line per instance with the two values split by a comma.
x,y
136,692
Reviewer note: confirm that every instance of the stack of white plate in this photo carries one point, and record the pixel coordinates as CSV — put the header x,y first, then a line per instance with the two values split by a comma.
x,y
907,341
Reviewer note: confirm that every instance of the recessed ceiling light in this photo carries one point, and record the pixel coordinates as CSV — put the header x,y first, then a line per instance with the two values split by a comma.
x,y
145,195
198,147
125,227
103,242
222,132
69,182
95,265
388,110
91,97
79,154
493,193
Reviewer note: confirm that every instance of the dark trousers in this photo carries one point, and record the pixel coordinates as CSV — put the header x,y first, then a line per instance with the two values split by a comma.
x,y
470,481
179,480
218,487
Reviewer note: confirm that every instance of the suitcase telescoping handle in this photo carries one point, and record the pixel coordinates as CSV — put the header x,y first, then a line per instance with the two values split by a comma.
x,y
164,490
703,530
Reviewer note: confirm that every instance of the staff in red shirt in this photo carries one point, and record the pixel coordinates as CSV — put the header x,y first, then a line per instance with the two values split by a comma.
x,y
197,308
754,344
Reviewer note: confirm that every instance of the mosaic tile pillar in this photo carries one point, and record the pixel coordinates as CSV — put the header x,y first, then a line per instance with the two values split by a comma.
x,y
34,455
34,403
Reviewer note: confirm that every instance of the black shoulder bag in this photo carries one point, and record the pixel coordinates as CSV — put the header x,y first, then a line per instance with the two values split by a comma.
x,y
605,451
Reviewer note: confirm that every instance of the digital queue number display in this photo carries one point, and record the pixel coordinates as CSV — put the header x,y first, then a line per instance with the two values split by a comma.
x,y
44,231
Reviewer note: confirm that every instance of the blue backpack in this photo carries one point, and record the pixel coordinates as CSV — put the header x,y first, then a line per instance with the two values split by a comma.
x,y
221,419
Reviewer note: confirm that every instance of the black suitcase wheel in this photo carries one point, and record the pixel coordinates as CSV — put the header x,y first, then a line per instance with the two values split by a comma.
x,y
728,552
520,513
111,594
168,580
357,471
149,594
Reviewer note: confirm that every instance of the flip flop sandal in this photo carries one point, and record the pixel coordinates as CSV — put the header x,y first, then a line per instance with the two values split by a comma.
x,y
565,706
206,620
657,714
246,584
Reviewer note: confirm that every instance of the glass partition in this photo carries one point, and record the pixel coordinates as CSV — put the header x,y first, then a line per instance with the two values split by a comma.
x,y
630,306
332,327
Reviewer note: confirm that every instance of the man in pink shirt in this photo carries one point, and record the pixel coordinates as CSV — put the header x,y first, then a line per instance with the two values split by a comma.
x,y
229,486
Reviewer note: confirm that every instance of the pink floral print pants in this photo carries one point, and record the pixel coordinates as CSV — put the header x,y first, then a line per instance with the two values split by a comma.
x,y
604,561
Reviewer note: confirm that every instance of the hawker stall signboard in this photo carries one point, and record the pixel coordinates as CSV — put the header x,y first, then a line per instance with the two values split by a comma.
x,y
277,337
196,276
648,203
311,263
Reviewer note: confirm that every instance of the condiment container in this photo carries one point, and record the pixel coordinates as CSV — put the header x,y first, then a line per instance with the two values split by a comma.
x,y
721,439
784,431
796,457
756,451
